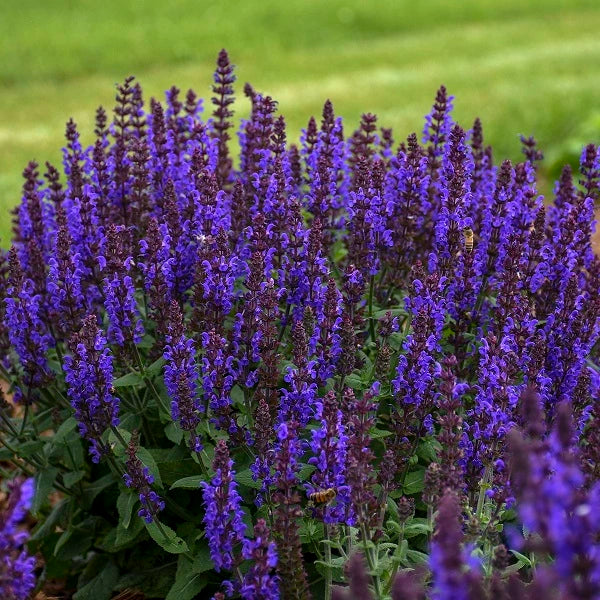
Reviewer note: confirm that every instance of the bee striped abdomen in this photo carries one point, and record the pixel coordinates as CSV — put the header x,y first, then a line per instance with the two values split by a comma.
x,y
469,236
322,496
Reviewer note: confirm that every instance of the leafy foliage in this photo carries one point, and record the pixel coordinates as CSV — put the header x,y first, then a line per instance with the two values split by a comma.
x,y
241,380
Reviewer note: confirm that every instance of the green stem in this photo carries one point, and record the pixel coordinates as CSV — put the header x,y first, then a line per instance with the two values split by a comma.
x,y
397,553
119,436
147,379
371,562
9,423
371,319
482,491
24,421
329,576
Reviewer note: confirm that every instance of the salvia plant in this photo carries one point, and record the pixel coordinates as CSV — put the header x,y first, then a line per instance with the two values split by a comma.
x,y
348,368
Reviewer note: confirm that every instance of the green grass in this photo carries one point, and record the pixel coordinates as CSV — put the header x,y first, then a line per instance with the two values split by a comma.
x,y
529,67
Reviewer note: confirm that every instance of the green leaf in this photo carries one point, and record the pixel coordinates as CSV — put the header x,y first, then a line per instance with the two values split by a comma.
x,y
245,478
188,483
187,586
355,382
5,454
130,421
156,367
146,457
125,504
44,482
128,380
76,541
523,560
416,527
120,537
427,450
414,482
335,567
416,558
27,449
146,342
237,395
62,540
71,478
305,472
66,427
174,433
202,560
188,581
95,487
174,464
57,516
115,443
378,314
380,433
166,538
101,587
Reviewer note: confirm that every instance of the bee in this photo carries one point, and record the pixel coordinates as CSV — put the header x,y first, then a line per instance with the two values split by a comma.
x,y
322,496
468,233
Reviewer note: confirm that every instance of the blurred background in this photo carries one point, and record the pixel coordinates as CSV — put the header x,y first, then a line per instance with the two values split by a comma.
x,y
523,66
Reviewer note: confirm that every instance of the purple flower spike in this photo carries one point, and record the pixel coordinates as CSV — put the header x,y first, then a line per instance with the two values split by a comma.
x,y
223,517
89,376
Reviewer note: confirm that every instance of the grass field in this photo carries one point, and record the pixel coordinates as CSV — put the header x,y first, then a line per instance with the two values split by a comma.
x,y
529,67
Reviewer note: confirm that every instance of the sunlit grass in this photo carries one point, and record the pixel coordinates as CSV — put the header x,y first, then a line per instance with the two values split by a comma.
x,y
523,67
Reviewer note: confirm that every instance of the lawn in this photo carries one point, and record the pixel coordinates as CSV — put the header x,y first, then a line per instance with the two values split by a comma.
x,y
524,67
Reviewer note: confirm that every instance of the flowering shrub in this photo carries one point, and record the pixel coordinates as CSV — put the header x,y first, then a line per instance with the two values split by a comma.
x,y
348,362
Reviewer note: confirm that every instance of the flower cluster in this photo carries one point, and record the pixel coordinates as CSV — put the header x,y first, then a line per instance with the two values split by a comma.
x,y
335,343
138,477
17,578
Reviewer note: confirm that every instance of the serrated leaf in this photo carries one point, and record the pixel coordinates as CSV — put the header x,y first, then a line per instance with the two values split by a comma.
x,y
129,380
335,568
305,472
416,558
188,483
416,527
355,382
245,478
101,587
414,482
427,450
166,538
44,482
380,433
202,560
